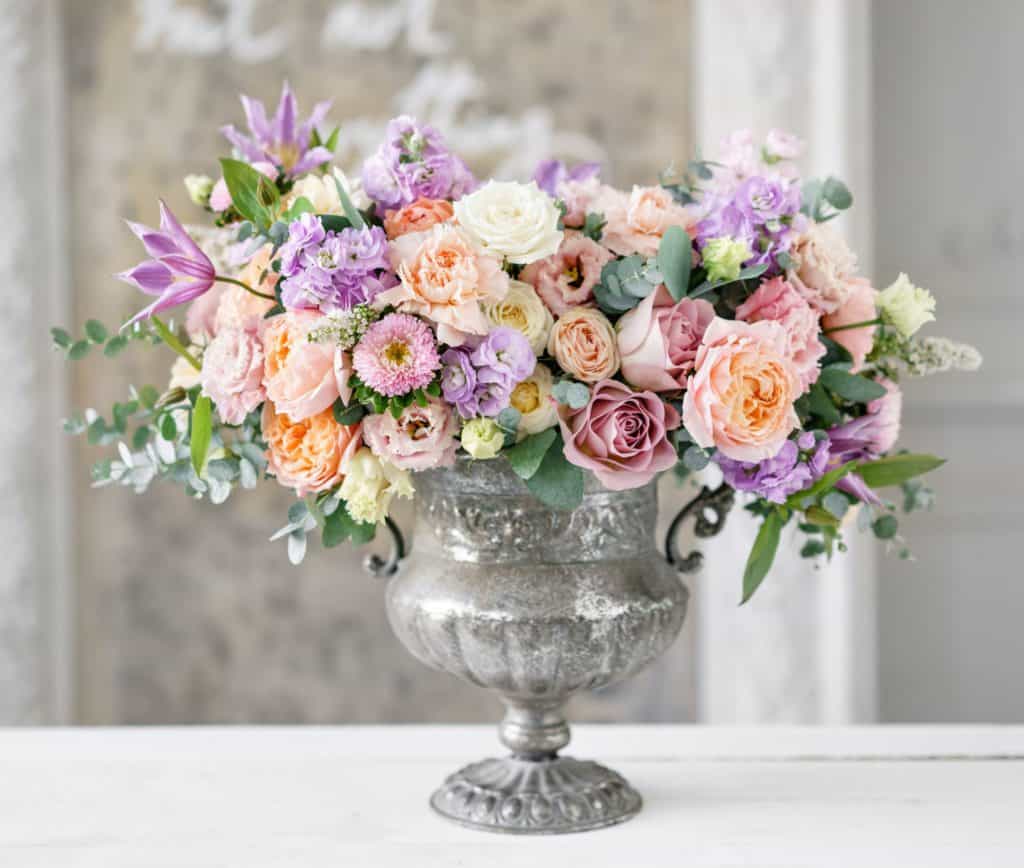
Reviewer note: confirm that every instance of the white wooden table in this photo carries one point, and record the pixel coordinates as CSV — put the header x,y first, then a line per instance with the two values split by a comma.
x,y
348,797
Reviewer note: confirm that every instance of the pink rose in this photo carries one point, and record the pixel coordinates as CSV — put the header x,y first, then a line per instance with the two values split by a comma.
x,y
740,398
220,197
232,374
621,435
568,278
578,197
858,307
635,223
302,377
823,266
659,338
419,439
778,300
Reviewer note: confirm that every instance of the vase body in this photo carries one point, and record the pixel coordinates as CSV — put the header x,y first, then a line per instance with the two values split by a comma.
x,y
534,604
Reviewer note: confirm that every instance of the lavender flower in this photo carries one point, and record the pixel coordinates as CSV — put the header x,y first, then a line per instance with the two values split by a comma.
x,y
794,467
551,174
414,161
504,355
458,381
280,140
479,382
178,271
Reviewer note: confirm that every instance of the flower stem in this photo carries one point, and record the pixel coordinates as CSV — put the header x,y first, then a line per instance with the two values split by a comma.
x,y
853,325
224,279
167,336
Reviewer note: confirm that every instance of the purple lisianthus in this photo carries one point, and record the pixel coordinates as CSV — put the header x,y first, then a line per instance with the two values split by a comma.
x,y
793,468
281,140
504,355
551,174
332,270
458,381
414,162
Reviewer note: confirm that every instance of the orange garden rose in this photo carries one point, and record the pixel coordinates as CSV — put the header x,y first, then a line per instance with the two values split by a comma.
x,y
310,455
584,343
420,216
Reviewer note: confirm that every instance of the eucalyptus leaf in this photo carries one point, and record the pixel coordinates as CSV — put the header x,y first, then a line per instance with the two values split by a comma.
x,y
571,393
675,261
527,455
61,338
79,350
557,483
95,331
695,458
885,526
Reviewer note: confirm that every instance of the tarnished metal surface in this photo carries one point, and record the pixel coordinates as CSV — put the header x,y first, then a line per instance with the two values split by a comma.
x,y
534,604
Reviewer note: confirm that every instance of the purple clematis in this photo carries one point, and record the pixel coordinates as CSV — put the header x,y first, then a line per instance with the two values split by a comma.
x,y
178,271
281,140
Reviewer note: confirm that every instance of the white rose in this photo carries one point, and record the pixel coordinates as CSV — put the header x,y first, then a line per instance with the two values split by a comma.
x,y
905,306
518,222
533,399
322,193
522,309
823,265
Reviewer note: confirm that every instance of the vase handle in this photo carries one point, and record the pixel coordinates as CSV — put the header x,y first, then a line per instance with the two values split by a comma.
x,y
385,568
717,502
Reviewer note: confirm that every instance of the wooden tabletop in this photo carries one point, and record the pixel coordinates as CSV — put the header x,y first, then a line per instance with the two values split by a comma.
x,y
348,797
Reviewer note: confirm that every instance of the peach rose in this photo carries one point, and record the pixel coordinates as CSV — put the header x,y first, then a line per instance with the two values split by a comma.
x,y
659,338
567,279
420,439
232,374
740,398
777,300
444,278
858,307
239,309
308,455
583,342
419,216
635,223
302,377
823,266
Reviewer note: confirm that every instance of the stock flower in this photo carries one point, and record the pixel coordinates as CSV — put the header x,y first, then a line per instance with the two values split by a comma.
x,y
281,140
740,397
505,355
302,377
307,455
567,278
584,344
858,307
823,266
414,162
458,381
178,270
232,374
659,338
906,307
724,257
370,484
537,408
777,300
621,435
482,438
444,278
420,439
522,310
636,222
396,355
418,216
512,221
793,468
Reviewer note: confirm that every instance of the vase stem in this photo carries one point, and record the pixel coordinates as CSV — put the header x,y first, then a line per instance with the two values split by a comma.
x,y
534,729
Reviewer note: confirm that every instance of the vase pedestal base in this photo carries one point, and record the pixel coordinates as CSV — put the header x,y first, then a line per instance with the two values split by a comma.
x,y
546,796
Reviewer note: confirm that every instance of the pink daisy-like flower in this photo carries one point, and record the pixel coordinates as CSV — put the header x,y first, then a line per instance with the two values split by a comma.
x,y
396,355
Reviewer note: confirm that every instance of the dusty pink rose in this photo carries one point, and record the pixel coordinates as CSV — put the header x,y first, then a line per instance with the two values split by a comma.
x,y
621,436
568,278
659,338
232,374
858,307
302,377
419,439
636,222
220,197
740,397
778,300
823,266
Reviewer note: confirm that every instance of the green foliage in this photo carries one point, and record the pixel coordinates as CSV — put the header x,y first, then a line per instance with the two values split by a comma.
x,y
851,387
557,483
707,288
508,421
885,527
254,196
626,282
695,458
762,553
572,393
201,433
349,414
526,456
823,200
339,526
897,469
675,259
351,212
593,226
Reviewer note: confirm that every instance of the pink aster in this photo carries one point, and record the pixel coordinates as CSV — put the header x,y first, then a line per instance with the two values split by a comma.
x,y
396,355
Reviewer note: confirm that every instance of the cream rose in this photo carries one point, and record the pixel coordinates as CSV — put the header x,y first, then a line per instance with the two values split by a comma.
x,y
584,343
517,222
522,309
535,403
823,266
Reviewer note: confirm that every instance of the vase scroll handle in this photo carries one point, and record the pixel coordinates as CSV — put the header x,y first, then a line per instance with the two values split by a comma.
x,y
710,508
385,567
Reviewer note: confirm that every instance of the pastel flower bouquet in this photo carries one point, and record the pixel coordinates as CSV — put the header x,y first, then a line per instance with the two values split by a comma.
x,y
358,331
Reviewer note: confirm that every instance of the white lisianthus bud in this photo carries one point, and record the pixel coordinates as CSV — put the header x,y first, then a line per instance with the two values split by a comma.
x,y
370,484
724,257
516,222
905,307
482,438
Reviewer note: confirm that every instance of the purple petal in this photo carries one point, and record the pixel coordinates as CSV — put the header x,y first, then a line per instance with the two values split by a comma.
x,y
256,117
169,224
311,160
245,146
157,244
284,118
183,265
584,171
149,276
313,121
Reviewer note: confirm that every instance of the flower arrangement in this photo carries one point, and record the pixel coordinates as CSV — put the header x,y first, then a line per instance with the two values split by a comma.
x,y
366,329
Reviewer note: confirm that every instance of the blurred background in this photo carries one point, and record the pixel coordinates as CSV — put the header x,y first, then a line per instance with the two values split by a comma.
x,y
117,609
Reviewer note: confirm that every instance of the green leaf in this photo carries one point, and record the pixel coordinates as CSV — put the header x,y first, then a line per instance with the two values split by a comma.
x,y
300,206
340,526
835,503
852,387
168,427
812,548
334,223
885,526
821,405
255,197
526,456
593,225
95,331
148,396
508,421
762,554
897,469
201,434
351,212
60,338
826,483
348,415
675,260
115,345
79,350
571,393
836,193
141,437
695,458
557,483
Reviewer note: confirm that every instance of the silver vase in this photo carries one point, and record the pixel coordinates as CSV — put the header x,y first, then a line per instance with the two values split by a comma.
x,y
537,604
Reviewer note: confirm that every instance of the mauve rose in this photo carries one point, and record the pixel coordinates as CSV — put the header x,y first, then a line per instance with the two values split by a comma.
x,y
659,338
302,377
621,436
858,307
232,374
567,279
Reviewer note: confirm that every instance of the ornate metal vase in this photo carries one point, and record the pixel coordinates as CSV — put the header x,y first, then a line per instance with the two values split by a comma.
x,y
535,604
